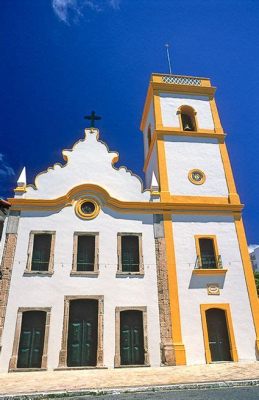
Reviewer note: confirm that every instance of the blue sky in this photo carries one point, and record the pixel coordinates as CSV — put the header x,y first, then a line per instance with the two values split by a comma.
x,y
63,58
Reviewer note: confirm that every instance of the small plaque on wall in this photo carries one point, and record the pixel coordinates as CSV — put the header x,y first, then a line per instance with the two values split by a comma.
x,y
213,289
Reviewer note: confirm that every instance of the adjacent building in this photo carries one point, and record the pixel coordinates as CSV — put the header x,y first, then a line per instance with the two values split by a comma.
x,y
100,270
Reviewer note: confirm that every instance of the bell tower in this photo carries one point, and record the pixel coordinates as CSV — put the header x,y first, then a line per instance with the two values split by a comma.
x,y
188,170
184,142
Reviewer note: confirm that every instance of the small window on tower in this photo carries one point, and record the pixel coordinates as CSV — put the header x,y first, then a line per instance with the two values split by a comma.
x,y
187,119
207,253
149,135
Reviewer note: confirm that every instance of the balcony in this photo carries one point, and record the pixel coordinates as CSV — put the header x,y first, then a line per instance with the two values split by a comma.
x,y
209,265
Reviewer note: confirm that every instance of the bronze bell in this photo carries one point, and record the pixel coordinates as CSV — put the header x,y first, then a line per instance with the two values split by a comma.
x,y
187,127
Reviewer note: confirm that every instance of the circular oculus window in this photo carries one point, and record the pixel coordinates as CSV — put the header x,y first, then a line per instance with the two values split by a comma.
x,y
197,177
87,208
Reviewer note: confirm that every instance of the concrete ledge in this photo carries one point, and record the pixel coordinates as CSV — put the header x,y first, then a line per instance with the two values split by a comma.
x,y
136,389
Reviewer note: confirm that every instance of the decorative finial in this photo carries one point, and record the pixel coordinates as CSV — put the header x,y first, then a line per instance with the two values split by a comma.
x,y
21,182
92,117
168,58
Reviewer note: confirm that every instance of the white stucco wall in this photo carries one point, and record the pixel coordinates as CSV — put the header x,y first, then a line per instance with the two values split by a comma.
x,y
38,291
193,288
170,104
184,154
88,162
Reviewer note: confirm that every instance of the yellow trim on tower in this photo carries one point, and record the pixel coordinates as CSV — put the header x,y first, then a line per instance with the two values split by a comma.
x,y
249,276
215,116
161,157
174,131
214,271
232,342
233,196
179,349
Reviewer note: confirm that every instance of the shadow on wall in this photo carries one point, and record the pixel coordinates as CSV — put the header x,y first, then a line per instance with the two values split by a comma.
x,y
201,282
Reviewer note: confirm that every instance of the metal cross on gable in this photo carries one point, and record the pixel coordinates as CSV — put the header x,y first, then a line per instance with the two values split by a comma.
x,y
92,117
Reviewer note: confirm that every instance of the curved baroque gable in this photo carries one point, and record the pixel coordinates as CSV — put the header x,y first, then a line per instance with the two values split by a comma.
x,y
89,161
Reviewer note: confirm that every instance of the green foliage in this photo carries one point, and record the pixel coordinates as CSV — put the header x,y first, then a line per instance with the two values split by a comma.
x,y
256,275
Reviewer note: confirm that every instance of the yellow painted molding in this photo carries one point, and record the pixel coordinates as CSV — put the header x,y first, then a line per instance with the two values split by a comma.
x,y
215,116
187,89
20,189
190,204
233,196
232,341
180,357
157,111
198,200
214,271
249,277
162,169
169,131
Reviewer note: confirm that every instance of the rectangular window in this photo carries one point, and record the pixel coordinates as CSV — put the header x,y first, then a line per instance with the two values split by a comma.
x,y
130,253
41,252
85,253
207,252
85,259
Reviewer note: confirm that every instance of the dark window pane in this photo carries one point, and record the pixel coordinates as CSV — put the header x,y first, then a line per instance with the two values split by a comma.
x,y
85,253
208,258
130,253
41,252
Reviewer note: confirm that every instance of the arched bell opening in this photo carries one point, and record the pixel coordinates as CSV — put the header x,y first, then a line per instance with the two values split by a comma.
x,y
187,118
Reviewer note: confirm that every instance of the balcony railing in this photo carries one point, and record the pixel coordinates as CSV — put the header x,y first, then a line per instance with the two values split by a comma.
x,y
208,262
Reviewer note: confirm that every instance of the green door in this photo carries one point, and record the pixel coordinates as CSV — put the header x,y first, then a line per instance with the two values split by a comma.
x,y
131,338
82,333
218,335
31,339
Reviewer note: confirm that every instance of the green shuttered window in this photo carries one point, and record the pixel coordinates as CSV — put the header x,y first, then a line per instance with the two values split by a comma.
x,y
130,253
86,253
41,252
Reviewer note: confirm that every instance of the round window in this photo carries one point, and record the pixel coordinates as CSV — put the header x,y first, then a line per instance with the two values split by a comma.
x,y
87,208
197,177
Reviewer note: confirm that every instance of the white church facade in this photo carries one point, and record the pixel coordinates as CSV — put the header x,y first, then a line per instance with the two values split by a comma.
x,y
98,272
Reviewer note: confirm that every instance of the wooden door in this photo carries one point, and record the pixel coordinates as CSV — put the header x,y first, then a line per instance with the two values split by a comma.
x,y
31,339
218,335
131,338
82,333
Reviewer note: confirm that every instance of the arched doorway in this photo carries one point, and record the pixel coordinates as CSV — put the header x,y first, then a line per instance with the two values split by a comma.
x,y
218,336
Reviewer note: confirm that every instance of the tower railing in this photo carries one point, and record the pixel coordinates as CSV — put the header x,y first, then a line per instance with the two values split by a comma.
x,y
208,262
